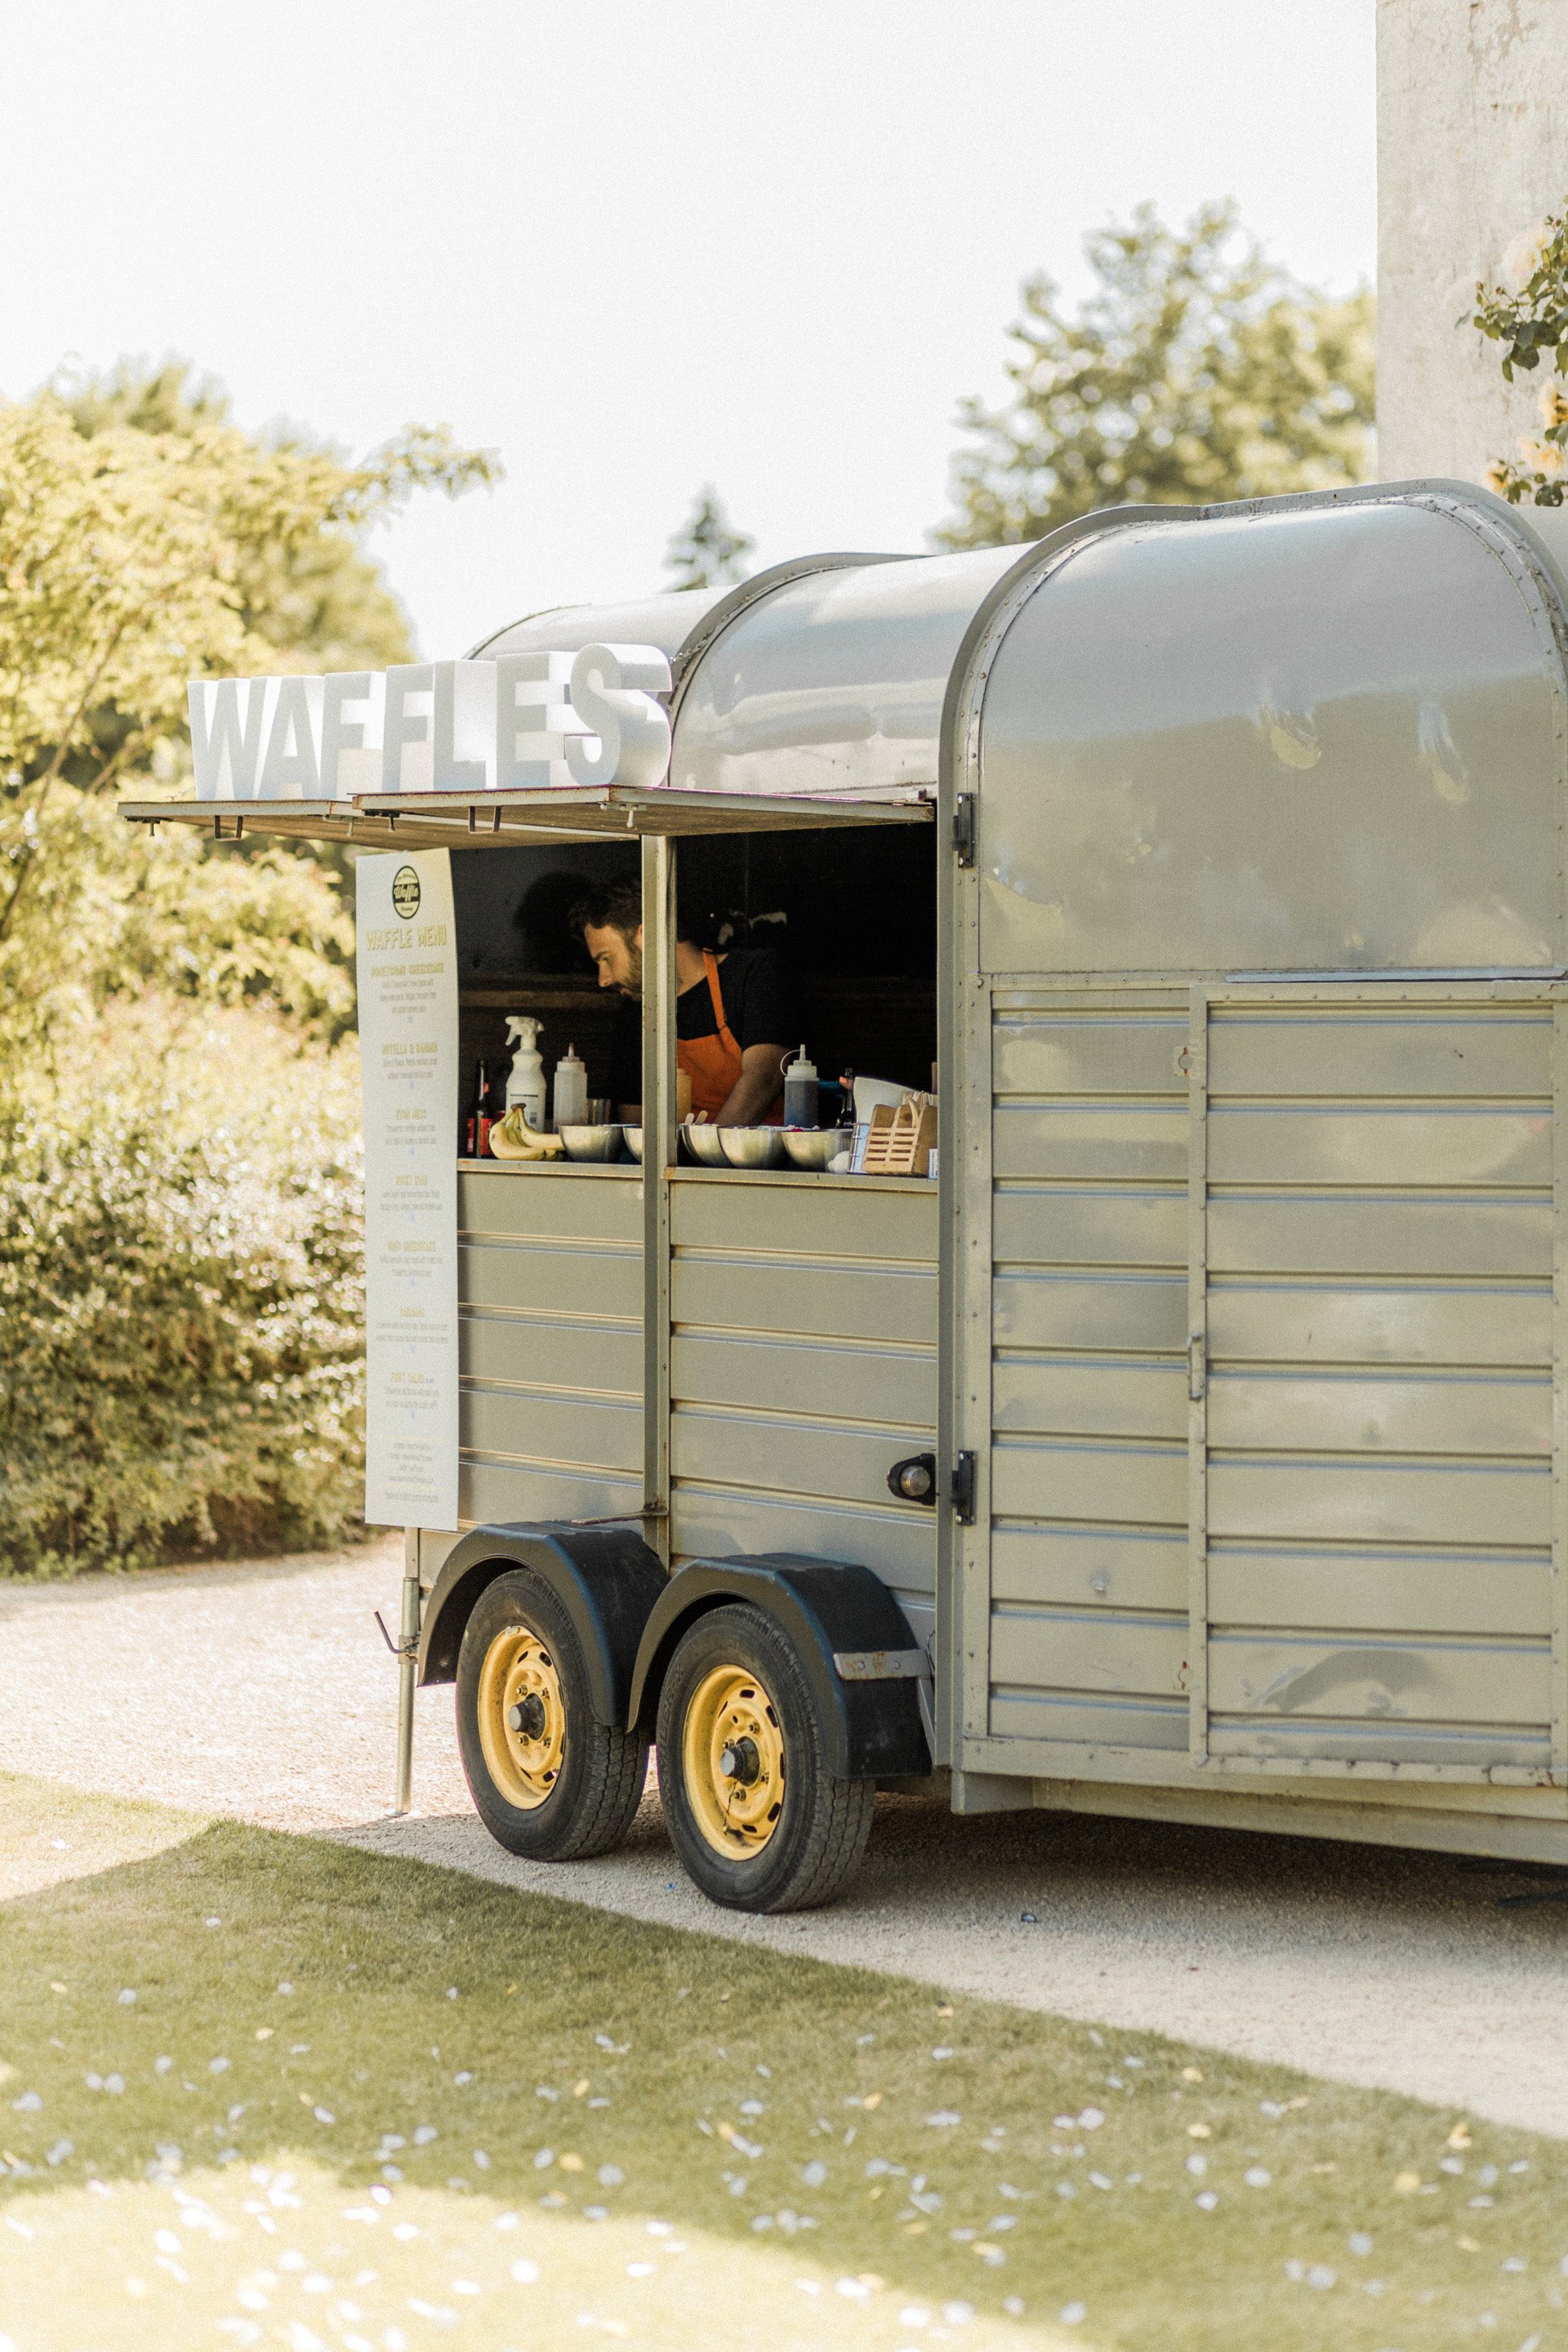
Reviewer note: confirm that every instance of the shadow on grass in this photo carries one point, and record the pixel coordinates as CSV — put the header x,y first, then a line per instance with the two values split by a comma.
x,y
242,1998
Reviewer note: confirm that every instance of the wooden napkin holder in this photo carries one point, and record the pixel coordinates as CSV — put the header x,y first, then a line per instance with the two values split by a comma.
x,y
900,1140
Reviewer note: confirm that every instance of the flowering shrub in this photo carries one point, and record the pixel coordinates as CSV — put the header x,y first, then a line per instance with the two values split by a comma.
x,y
1530,320
181,1295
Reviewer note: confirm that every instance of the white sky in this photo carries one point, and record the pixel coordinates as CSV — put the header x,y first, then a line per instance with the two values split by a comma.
x,y
637,248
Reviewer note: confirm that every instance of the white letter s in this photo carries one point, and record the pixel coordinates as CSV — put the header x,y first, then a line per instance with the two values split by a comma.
x,y
613,690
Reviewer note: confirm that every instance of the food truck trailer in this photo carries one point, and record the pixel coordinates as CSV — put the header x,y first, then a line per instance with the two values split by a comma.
x,y
1191,1446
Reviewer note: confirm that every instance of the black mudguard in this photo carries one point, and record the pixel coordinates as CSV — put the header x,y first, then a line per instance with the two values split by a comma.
x,y
829,1609
607,1580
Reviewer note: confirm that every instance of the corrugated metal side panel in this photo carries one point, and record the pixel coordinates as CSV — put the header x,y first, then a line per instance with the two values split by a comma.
x,y
1088,1472
549,1308
1380,1380
803,1365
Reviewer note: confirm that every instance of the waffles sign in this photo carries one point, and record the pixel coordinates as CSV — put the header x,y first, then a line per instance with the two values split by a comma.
x,y
515,724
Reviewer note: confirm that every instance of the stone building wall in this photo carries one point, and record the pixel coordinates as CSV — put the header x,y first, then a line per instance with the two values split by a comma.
x,y
1472,151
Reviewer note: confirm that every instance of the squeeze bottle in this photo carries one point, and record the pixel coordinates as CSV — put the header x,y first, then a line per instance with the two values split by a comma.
x,y
800,1099
525,1082
571,1090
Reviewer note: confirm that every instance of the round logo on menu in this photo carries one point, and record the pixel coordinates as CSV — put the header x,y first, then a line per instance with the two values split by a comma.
x,y
406,893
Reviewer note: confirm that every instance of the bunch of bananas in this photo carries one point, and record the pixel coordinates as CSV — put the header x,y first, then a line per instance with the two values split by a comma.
x,y
511,1138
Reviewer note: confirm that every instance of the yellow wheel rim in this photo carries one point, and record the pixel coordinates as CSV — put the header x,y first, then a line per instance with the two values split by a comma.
x,y
522,1719
732,1756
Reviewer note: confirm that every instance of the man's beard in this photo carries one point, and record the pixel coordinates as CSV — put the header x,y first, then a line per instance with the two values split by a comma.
x,y
632,984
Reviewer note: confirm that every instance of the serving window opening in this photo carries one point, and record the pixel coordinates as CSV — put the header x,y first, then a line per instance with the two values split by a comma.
x,y
827,938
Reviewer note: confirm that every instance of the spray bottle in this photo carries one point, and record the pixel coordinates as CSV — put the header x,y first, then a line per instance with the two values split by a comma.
x,y
525,1085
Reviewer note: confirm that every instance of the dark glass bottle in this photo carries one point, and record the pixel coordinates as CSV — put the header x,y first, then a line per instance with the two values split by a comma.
x,y
476,1118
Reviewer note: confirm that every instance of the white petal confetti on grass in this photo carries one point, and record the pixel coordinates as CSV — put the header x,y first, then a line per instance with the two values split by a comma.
x,y
544,2158
323,2114
217,2066
944,2118
610,2175
1205,2201
127,1998
424,2135
1062,2122
525,2272
1256,2177
1073,2315
1320,2275
942,2054
1198,2165
1359,2243
163,2067
1090,2119
29,2104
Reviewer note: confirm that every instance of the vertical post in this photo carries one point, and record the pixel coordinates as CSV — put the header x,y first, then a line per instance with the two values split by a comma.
x,y
659,1150
1559,1748
407,1666
1196,1059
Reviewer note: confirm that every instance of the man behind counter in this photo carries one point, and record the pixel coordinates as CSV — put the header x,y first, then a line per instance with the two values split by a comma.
x,y
732,1014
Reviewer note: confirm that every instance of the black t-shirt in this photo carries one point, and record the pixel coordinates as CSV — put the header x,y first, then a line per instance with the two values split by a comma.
x,y
759,1009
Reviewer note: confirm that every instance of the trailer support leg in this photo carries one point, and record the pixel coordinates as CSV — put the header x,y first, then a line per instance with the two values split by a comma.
x,y
407,1668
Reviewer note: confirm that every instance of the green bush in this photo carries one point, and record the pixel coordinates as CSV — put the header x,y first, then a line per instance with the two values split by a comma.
x,y
181,1299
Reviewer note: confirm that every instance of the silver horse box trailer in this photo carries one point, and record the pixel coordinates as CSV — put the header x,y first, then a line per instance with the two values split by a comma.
x,y
1233,1324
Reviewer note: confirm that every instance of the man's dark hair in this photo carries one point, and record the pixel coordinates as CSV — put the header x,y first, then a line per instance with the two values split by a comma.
x,y
609,907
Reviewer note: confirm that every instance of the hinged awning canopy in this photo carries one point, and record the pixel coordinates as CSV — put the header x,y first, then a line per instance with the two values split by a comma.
x,y
506,819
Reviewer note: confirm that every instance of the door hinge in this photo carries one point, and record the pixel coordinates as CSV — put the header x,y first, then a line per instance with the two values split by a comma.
x,y
961,1492
964,828
1197,1369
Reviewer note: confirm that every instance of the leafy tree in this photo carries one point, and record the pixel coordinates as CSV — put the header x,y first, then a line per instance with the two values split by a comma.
x,y
181,1260
1531,321
323,598
1195,370
144,539
707,552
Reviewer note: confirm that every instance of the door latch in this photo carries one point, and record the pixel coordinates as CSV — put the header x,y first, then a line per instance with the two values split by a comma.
x,y
961,1492
964,828
1197,1369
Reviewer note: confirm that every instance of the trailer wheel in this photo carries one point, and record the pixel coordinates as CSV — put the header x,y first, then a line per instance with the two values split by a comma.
x,y
758,1820
551,1783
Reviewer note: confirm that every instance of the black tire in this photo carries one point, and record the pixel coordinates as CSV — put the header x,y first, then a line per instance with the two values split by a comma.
x,y
585,1805
801,1857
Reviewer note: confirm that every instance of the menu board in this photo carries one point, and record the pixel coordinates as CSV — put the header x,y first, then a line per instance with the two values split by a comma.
x,y
408,1055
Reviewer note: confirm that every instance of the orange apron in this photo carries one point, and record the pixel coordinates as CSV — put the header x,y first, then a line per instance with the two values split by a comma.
x,y
712,1064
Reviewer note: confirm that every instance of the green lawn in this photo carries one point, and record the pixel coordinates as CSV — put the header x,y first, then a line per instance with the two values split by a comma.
x,y
362,2102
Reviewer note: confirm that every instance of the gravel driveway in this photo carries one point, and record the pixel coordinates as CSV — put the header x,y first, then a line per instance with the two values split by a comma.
x,y
265,1692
